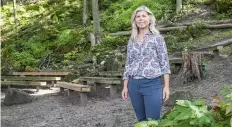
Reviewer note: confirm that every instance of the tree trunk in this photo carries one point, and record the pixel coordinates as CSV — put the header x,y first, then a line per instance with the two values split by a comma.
x,y
178,5
1,3
15,15
92,39
96,21
84,13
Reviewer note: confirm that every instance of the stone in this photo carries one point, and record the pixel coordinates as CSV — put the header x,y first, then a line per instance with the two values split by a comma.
x,y
15,96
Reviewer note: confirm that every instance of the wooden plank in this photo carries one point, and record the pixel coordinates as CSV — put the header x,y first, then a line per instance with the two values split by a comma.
x,y
23,83
102,80
17,78
111,73
43,73
174,60
72,86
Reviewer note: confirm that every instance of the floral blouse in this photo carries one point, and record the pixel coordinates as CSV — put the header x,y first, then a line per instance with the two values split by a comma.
x,y
148,59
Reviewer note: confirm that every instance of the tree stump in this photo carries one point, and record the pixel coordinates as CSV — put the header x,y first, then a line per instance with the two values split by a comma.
x,y
191,68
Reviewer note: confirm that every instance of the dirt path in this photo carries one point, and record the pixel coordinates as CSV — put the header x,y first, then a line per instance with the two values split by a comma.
x,y
55,110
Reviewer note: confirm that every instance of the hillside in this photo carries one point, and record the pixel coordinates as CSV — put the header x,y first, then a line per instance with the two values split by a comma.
x,y
50,35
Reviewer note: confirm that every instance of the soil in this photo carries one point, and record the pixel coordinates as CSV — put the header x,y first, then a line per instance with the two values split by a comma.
x,y
55,110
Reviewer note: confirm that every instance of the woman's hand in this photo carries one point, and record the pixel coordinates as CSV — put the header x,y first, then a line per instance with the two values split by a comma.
x,y
125,93
166,93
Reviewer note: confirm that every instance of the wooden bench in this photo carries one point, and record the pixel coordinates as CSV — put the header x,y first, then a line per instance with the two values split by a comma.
x,y
24,83
82,89
31,79
60,74
113,82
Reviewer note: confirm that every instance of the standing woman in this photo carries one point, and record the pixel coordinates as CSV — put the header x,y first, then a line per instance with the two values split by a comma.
x,y
146,64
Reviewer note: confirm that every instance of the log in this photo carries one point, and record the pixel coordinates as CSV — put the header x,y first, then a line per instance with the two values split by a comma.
x,y
218,45
218,26
165,29
190,23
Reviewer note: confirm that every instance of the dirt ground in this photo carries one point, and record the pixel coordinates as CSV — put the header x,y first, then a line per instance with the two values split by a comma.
x,y
55,110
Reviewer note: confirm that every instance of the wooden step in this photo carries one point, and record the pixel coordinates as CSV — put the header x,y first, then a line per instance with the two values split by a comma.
x,y
111,73
17,78
102,80
175,60
23,83
73,86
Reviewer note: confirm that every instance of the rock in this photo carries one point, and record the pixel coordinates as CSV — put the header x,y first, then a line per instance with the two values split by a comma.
x,y
15,96
179,95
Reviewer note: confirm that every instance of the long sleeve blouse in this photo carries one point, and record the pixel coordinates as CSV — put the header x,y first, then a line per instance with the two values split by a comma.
x,y
148,59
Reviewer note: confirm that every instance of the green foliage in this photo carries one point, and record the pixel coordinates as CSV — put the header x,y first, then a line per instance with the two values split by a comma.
x,y
54,28
177,41
44,27
117,17
197,113
109,43
223,5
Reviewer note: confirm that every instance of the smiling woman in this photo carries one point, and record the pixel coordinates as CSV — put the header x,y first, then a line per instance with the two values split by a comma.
x,y
147,62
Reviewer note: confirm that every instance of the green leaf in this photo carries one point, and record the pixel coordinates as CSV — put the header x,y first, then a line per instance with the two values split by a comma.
x,y
184,115
166,122
141,124
152,123
204,120
199,102
184,103
229,108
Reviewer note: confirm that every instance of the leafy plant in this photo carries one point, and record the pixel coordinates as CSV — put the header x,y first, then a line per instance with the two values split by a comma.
x,y
197,113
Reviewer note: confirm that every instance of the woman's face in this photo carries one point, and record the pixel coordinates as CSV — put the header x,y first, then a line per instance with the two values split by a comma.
x,y
142,19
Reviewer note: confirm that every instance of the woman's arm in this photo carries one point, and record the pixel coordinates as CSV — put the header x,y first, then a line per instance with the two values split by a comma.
x,y
125,75
164,65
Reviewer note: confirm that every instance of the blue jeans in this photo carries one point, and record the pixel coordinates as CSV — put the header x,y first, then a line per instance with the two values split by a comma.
x,y
146,97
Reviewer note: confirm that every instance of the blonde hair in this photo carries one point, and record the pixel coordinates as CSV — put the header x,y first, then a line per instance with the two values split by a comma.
x,y
134,31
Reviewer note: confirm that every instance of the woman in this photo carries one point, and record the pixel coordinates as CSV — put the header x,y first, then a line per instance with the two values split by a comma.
x,y
146,64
